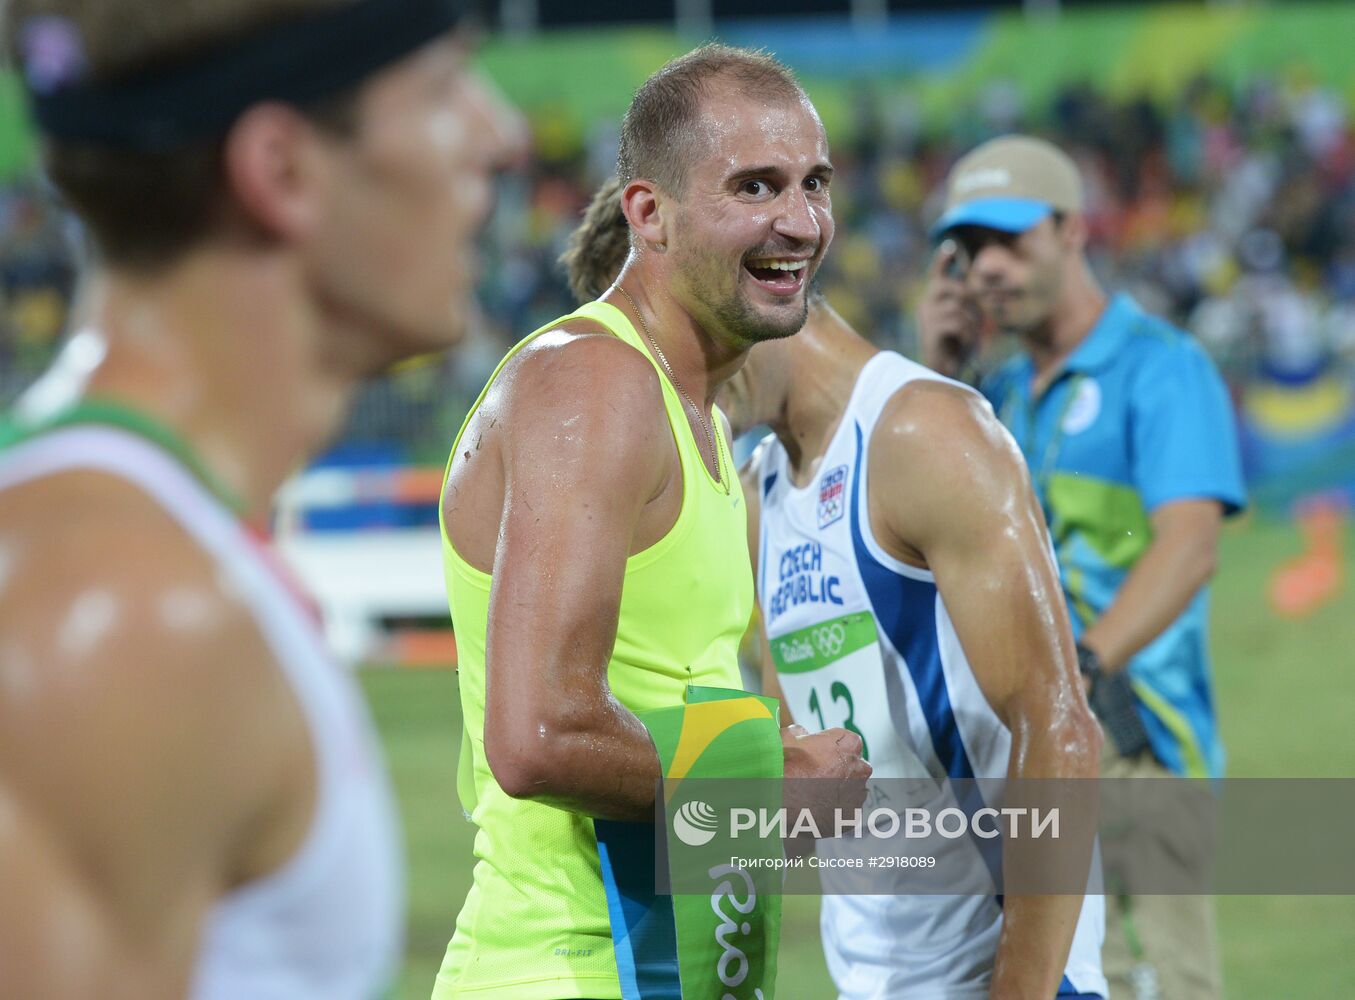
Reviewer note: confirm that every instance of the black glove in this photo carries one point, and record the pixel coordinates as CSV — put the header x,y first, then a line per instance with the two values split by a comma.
x,y
1112,699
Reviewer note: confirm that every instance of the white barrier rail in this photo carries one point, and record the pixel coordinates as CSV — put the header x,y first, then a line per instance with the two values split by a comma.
x,y
364,576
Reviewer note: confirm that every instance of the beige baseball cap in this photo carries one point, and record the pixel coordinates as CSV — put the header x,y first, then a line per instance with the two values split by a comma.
x,y
1010,183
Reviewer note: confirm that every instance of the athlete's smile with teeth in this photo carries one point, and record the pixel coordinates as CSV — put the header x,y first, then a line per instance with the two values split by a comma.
x,y
781,275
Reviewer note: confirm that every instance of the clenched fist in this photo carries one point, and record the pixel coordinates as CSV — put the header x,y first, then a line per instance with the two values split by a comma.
x,y
825,773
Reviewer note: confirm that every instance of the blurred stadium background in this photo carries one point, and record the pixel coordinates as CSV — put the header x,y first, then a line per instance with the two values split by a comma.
x,y
1219,143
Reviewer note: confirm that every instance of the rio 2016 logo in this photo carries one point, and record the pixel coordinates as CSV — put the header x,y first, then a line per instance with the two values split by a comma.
x,y
733,966
829,639
695,823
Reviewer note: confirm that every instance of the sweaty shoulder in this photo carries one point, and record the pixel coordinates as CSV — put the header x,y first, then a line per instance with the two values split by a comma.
x,y
932,414
938,453
575,412
582,356
580,390
177,730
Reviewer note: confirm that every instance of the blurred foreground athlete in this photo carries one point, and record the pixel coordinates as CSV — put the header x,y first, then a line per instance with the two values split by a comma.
x,y
282,197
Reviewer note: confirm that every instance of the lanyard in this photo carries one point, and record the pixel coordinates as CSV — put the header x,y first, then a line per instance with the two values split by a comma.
x,y
1041,471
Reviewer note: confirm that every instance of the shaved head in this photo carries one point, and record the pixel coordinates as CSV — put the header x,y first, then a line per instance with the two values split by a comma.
x,y
661,133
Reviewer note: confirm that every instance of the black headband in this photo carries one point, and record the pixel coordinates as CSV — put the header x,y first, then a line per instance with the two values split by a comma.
x,y
299,61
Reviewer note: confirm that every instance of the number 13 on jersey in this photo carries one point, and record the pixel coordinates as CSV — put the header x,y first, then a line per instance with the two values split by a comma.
x,y
832,674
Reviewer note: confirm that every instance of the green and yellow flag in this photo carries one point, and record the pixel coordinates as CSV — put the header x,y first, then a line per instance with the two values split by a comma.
x,y
691,916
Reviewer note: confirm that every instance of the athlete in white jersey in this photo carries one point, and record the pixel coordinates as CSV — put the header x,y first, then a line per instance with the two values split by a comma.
x,y
897,521
282,205
324,922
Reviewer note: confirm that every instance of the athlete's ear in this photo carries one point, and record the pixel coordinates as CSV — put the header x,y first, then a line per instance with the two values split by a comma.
x,y
271,170
644,204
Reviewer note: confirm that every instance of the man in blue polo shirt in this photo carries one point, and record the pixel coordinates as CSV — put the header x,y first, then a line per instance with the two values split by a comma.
x,y
1129,437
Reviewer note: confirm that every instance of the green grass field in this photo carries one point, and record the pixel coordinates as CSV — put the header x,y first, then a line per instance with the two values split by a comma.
x,y
1287,701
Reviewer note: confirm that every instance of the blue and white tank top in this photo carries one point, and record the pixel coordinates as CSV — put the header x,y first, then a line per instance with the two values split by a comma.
x,y
862,640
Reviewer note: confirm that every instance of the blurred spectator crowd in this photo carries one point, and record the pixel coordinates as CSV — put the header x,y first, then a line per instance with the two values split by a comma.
x,y
1230,211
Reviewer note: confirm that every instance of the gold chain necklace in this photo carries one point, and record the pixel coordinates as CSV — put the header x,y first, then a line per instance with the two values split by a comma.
x,y
663,359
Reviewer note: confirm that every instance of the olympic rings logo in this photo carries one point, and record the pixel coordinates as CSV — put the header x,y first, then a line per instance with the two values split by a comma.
x,y
829,639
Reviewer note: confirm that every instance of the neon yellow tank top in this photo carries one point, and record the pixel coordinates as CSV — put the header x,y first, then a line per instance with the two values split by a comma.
x,y
535,924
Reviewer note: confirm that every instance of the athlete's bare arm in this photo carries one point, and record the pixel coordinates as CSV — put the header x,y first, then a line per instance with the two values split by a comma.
x,y
949,490
151,754
576,443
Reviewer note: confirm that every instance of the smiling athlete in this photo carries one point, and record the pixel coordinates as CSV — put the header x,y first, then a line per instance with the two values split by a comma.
x,y
595,536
